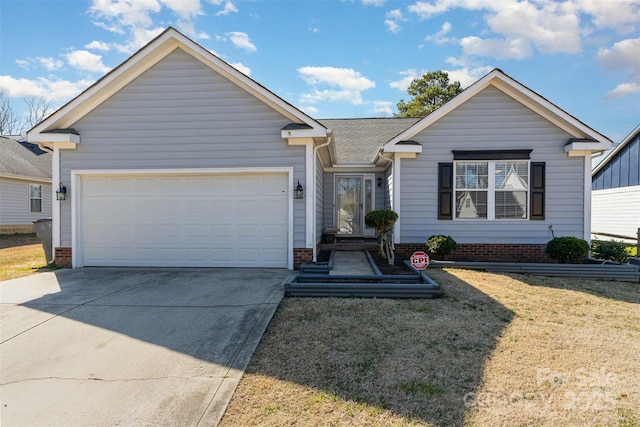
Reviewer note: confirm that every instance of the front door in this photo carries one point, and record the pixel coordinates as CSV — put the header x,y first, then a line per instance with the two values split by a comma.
x,y
354,199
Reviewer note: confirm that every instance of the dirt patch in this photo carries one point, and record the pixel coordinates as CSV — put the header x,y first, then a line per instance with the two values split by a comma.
x,y
497,349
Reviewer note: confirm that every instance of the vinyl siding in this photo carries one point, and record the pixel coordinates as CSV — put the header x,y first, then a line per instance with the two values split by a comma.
x,y
492,120
181,114
14,202
616,211
623,170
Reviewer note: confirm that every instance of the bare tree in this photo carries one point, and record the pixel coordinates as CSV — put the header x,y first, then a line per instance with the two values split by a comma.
x,y
38,108
10,124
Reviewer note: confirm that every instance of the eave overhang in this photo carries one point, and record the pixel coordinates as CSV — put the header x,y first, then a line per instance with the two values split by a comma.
x,y
578,147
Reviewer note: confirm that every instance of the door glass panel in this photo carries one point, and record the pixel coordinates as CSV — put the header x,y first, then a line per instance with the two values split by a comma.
x,y
349,205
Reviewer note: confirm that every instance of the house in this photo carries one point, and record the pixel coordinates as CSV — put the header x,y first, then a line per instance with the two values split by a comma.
x,y
615,192
25,185
175,158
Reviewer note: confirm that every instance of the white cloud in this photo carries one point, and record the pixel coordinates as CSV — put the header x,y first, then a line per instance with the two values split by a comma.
x,y
393,19
383,108
621,16
347,82
185,9
125,13
377,3
86,61
407,76
23,63
242,68
467,76
439,37
623,55
50,64
98,45
241,40
228,8
622,90
517,27
496,48
53,90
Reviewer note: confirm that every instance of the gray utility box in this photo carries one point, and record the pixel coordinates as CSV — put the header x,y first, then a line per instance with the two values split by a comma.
x,y
43,231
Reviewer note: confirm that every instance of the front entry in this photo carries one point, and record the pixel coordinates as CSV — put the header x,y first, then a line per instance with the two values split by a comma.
x,y
354,199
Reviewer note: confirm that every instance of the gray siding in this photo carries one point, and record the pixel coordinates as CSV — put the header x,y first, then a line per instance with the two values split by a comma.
x,y
492,120
14,202
181,114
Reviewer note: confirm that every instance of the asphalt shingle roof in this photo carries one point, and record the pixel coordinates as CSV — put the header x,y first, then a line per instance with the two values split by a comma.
x,y
358,140
23,160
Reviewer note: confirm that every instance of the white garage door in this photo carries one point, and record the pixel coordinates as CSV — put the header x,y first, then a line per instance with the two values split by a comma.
x,y
181,220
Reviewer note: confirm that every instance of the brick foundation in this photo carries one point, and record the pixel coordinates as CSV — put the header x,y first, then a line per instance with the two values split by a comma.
x,y
62,257
300,256
486,252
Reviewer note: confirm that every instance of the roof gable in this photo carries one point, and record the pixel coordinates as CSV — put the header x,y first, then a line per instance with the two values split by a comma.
x,y
520,93
138,63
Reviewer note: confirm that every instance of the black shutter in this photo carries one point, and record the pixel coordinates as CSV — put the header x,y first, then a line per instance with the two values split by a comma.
x,y
537,191
445,191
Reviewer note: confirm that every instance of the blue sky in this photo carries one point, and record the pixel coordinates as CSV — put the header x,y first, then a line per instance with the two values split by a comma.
x,y
350,58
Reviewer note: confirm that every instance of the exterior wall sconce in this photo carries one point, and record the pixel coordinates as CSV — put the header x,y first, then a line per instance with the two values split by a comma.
x,y
299,191
379,182
61,193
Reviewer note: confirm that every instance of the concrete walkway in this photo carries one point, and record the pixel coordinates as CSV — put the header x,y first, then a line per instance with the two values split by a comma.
x,y
106,346
354,263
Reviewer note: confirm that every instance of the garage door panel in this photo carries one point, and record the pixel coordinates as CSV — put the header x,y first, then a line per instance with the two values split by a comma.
x,y
209,220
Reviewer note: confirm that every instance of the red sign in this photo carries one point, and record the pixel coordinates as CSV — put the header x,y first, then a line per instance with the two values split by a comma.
x,y
420,260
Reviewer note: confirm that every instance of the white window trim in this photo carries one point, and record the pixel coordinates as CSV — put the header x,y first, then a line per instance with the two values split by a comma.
x,y
35,198
491,191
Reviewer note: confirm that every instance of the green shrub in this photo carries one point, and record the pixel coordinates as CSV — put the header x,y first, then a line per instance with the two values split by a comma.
x,y
381,220
441,245
567,250
611,250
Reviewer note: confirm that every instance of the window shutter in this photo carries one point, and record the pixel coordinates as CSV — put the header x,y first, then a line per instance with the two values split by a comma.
x,y
537,191
445,191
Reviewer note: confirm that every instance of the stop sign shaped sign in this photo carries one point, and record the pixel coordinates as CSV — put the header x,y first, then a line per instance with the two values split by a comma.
x,y
419,260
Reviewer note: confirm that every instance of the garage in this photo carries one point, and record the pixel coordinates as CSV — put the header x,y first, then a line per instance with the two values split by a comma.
x,y
184,220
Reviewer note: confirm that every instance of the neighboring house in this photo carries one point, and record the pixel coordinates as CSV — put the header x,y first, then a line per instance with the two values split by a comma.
x,y
615,191
25,185
175,158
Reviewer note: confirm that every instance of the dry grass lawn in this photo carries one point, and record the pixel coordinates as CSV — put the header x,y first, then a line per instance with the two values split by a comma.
x,y
20,255
497,350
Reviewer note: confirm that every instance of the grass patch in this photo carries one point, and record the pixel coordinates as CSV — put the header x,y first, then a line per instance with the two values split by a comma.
x,y
497,349
21,255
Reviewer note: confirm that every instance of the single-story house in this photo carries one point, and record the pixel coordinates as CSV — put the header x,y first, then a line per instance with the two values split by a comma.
x,y
615,192
175,158
25,185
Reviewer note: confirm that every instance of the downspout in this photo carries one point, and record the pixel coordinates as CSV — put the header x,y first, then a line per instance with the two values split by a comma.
x,y
315,196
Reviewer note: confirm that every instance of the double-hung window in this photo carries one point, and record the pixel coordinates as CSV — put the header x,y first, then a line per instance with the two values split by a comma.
x,y
491,185
35,198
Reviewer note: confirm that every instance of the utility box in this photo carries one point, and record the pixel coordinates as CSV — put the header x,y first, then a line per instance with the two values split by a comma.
x,y
43,232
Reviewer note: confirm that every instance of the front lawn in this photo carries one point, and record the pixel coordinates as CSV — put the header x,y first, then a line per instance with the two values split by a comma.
x,y
497,349
20,255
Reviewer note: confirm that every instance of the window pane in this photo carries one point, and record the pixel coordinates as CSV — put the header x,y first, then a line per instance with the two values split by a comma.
x,y
511,204
36,205
472,175
471,204
35,191
512,175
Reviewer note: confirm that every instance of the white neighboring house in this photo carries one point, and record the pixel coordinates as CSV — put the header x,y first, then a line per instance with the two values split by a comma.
x,y
615,192
25,185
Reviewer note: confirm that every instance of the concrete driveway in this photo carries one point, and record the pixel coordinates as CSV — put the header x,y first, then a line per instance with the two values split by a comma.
x,y
105,346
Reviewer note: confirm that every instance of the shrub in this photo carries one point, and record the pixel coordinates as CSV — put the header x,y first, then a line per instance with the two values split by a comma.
x,y
382,221
441,245
611,250
567,250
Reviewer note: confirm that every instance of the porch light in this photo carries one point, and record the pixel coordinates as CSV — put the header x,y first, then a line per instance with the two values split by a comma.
x,y
379,182
61,193
299,191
